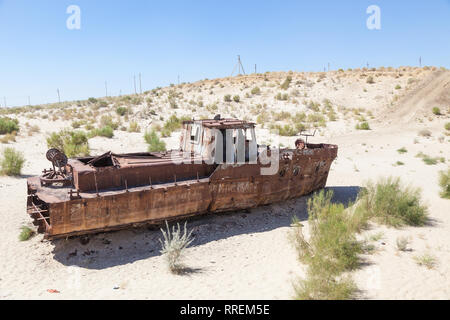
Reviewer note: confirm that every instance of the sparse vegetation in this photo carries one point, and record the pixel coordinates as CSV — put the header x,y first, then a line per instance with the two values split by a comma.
x,y
444,183
8,125
427,260
363,126
227,98
390,203
72,143
331,250
436,111
173,246
11,162
370,80
256,91
155,144
105,131
402,243
402,150
236,98
25,233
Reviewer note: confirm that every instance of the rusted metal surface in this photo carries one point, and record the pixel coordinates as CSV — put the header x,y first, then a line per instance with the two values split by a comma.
x,y
113,191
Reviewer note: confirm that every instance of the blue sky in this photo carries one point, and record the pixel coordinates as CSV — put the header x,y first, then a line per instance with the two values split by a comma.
x,y
198,39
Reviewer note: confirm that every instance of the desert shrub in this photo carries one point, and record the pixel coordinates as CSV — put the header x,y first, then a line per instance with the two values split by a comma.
x,y
11,162
425,133
92,100
72,143
447,126
444,183
134,127
8,125
9,137
325,288
256,91
105,131
363,126
284,131
370,80
390,203
285,85
236,98
282,97
107,121
121,111
172,124
155,144
398,87
173,246
25,233
227,98
427,260
402,243
402,150
436,111
332,249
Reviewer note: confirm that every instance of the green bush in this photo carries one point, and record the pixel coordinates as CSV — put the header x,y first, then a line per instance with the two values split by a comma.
x,y
26,233
332,249
363,126
402,150
134,127
227,98
370,80
72,143
155,144
121,111
390,203
436,111
285,85
447,126
256,91
444,183
11,162
105,131
236,98
174,123
8,125
107,121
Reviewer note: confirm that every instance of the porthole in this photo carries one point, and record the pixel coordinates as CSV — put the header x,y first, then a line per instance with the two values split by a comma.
x,y
296,171
282,172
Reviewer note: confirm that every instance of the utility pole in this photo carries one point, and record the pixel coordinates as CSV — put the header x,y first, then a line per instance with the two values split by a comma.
x,y
420,62
178,79
367,65
134,77
255,68
239,65
140,83
106,89
29,101
59,97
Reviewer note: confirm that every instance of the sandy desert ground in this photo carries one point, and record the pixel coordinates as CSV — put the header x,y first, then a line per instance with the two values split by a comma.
x,y
247,255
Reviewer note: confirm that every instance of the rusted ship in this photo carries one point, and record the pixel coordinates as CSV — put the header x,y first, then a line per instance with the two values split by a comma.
x,y
218,167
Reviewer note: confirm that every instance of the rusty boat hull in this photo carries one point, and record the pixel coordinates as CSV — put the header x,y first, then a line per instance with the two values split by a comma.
x,y
150,189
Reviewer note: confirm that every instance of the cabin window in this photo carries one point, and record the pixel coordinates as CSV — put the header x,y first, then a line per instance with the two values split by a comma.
x,y
195,134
